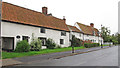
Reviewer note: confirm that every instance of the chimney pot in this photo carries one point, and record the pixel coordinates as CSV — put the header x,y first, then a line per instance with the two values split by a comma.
x,y
64,18
44,10
92,24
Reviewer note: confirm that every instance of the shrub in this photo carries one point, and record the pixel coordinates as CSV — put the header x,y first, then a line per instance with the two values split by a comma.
x,y
36,45
115,42
22,46
86,45
76,42
50,44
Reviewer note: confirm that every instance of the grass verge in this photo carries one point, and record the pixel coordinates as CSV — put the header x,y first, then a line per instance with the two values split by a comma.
x,y
104,45
6,55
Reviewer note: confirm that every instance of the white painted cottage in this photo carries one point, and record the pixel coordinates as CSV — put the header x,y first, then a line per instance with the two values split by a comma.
x,y
19,23
89,33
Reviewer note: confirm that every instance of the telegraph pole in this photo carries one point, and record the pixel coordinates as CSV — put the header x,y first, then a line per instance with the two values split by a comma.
x,y
101,36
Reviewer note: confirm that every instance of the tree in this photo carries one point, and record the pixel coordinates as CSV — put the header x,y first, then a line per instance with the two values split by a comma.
x,y
106,34
76,42
118,38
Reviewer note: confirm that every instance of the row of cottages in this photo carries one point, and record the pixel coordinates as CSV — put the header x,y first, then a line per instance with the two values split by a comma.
x,y
89,33
19,23
86,33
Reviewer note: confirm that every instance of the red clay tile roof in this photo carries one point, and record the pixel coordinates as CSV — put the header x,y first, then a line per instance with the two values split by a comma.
x,y
87,29
73,28
15,13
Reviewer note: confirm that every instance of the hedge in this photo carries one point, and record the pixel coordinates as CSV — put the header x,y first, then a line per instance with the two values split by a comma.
x,y
88,45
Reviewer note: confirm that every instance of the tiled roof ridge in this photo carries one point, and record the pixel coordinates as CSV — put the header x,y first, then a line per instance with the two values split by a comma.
x,y
74,28
30,10
70,25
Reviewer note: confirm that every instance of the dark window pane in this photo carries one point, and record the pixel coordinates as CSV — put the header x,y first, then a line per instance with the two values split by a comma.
x,y
63,33
43,40
61,41
25,38
42,30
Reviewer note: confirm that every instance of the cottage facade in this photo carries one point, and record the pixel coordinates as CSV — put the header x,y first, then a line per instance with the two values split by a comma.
x,y
19,23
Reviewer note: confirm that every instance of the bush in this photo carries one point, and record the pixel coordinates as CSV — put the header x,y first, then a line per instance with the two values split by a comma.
x,y
36,45
88,45
76,42
115,42
22,46
50,44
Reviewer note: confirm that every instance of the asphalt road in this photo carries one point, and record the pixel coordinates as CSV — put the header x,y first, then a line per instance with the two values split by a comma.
x,y
103,57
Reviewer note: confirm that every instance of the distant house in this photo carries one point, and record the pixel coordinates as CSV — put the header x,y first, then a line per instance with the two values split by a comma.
x,y
90,33
20,23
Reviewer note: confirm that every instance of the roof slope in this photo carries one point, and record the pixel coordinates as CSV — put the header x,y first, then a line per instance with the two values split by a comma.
x,y
15,13
88,29
73,28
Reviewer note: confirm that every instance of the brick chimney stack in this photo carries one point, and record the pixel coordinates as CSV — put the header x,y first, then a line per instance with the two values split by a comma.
x,y
91,24
44,10
64,18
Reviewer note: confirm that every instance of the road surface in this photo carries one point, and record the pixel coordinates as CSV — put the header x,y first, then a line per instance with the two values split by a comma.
x,y
103,57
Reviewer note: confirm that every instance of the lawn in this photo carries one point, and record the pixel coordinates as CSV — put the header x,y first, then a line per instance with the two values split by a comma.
x,y
6,55
104,45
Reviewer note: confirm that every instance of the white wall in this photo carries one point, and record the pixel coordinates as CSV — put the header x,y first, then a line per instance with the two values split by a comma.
x,y
100,39
12,30
90,37
78,35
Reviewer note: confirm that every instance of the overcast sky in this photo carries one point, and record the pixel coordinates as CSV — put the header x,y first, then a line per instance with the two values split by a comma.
x,y
99,12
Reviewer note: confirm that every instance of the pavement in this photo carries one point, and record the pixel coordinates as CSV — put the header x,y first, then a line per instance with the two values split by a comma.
x,y
9,62
104,57
45,57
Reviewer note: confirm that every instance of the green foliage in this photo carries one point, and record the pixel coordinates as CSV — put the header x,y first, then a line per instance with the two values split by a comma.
x,y
88,45
22,46
115,42
35,44
115,38
50,44
6,55
118,38
105,34
76,42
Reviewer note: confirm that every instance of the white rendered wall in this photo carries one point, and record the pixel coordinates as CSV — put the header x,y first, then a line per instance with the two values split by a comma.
x,y
12,30
78,35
